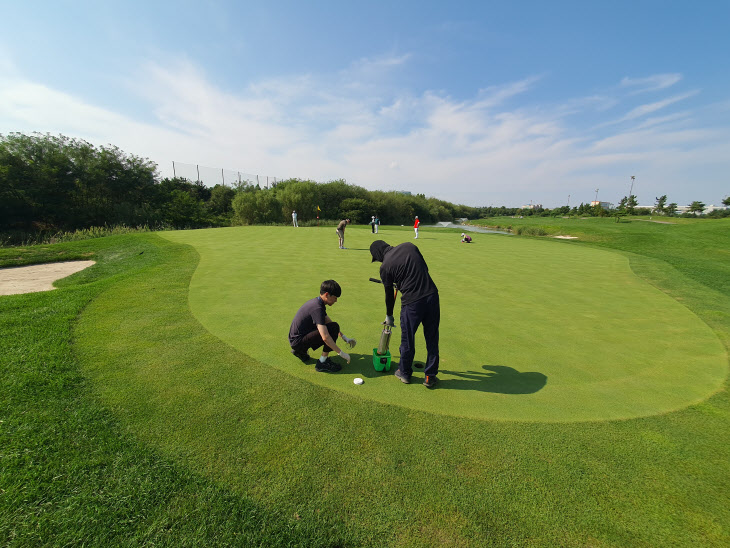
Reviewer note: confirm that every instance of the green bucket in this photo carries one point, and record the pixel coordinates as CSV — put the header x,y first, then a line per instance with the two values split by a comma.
x,y
381,362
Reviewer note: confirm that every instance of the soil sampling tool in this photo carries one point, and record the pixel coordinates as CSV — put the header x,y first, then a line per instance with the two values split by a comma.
x,y
381,354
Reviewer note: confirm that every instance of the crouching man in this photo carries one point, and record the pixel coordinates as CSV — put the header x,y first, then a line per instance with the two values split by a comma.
x,y
312,328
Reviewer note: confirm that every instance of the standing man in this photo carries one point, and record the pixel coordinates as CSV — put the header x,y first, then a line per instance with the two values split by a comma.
x,y
377,224
294,218
404,267
312,328
415,226
372,225
341,232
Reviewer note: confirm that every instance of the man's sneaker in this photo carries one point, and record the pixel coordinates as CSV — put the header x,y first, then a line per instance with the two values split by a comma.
x,y
327,367
430,381
304,356
405,379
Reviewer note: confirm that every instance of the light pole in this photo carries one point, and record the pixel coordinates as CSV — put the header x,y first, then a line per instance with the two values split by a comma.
x,y
597,194
632,185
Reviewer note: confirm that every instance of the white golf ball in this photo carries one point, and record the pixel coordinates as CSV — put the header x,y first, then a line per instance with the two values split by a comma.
x,y
358,380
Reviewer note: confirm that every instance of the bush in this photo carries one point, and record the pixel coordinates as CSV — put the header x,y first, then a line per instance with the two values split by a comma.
x,y
530,231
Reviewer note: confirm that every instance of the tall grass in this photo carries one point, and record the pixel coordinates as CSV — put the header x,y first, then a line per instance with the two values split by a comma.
x,y
24,238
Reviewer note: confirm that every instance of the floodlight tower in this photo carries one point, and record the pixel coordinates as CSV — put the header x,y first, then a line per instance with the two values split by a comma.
x,y
632,186
597,194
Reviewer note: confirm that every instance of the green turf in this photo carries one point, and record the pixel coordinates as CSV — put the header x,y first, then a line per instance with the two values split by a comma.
x,y
179,440
70,473
530,329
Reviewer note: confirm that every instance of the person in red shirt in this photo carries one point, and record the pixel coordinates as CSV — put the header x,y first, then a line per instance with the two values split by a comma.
x,y
415,226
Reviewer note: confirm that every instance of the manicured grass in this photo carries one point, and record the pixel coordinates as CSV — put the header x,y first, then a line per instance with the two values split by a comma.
x,y
217,448
531,330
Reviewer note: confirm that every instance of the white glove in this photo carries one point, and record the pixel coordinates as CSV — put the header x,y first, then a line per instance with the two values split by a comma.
x,y
345,356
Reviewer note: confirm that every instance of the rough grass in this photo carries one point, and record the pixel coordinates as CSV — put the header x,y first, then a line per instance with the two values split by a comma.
x,y
70,473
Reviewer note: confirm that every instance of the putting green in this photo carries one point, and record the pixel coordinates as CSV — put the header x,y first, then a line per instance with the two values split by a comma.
x,y
531,330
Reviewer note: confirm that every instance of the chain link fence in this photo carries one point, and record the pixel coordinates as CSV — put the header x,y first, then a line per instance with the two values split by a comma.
x,y
211,176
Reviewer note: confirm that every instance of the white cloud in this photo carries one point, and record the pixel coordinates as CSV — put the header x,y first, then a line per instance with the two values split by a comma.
x,y
649,108
651,83
476,151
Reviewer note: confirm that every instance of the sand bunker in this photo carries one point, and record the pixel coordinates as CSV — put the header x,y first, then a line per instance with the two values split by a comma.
x,y
566,237
39,277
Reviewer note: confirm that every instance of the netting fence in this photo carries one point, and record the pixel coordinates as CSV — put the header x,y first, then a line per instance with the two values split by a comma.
x,y
211,176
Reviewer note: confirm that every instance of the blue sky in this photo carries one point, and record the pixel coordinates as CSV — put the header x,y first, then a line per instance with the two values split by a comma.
x,y
480,103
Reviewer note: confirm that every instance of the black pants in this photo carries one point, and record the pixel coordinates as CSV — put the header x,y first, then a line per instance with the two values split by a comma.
x,y
314,340
426,311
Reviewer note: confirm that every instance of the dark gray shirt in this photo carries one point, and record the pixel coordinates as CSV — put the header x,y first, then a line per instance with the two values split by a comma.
x,y
309,315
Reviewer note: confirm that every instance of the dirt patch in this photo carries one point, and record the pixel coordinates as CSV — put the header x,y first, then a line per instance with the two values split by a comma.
x,y
660,222
39,277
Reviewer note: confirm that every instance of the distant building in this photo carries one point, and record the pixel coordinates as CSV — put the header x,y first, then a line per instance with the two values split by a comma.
x,y
708,209
604,205
532,206
711,208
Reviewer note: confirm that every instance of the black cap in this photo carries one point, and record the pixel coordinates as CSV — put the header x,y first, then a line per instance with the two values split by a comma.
x,y
378,249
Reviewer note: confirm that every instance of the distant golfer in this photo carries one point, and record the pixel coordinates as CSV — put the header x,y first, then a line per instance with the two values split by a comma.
x,y
372,225
294,219
404,267
377,224
341,232
312,328
416,224
465,238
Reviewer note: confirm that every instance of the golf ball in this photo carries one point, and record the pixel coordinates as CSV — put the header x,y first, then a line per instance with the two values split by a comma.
x,y
358,380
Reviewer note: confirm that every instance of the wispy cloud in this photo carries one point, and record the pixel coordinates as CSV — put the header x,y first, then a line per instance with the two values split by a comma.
x,y
649,108
482,150
651,83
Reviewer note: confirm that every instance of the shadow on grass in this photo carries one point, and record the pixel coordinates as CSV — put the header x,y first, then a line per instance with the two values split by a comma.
x,y
499,379
362,364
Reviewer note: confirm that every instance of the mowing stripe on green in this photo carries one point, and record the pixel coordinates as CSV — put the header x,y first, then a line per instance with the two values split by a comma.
x,y
531,330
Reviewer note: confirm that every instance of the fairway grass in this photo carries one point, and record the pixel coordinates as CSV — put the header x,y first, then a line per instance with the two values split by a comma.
x,y
531,330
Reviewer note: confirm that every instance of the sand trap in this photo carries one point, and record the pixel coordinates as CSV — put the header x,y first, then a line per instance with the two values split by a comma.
x,y
39,277
566,237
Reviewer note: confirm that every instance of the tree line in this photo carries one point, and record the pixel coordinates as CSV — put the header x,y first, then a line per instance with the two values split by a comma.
x,y
57,183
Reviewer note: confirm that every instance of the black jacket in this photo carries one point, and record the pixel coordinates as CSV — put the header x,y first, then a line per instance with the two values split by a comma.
x,y
403,267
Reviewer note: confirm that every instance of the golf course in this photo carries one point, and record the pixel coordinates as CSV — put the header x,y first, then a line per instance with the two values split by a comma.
x,y
152,398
